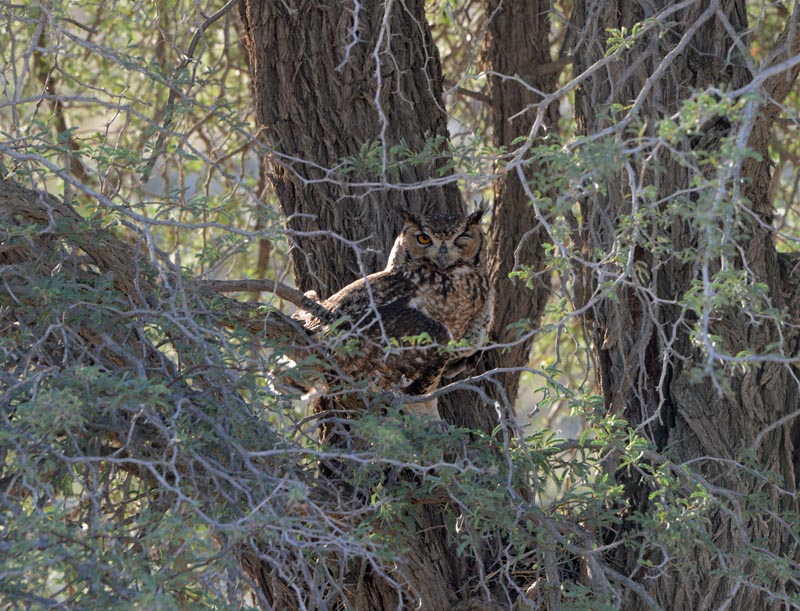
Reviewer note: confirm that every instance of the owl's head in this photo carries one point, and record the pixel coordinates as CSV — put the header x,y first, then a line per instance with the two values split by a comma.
x,y
442,242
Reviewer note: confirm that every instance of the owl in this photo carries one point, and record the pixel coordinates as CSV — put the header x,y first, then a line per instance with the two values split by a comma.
x,y
391,326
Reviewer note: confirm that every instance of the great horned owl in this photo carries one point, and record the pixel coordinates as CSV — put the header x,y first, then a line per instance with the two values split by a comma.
x,y
435,289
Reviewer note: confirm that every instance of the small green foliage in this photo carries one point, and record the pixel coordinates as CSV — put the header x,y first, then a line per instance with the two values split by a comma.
x,y
151,444
625,38
468,157
422,339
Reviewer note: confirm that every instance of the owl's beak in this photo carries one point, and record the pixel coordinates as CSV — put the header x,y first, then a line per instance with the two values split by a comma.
x,y
441,258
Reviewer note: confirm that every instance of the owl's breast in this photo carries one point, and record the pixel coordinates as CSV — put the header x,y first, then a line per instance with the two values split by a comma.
x,y
452,297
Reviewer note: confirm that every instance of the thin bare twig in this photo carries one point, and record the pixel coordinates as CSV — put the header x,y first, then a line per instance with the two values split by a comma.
x,y
188,58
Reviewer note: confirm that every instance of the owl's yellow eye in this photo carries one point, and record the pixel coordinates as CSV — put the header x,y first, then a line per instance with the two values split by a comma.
x,y
423,239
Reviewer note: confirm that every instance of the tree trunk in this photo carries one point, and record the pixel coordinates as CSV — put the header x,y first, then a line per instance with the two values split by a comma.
x,y
329,84
518,54
322,99
645,331
319,100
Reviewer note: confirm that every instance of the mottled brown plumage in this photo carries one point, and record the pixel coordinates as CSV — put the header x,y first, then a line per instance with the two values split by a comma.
x,y
435,283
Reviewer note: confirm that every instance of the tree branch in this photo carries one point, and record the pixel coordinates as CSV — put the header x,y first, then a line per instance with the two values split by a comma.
x,y
128,266
188,58
784,59
262,285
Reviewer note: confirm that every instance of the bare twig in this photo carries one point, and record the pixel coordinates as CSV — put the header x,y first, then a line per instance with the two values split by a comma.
x,y
48,82
188,58
271,286
262,285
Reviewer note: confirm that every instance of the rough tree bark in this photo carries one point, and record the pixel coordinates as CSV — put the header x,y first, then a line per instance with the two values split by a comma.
x,y
518,54
645,372
320,97
327,82
518,59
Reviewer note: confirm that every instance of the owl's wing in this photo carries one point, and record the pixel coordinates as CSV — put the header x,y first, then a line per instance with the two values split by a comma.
x,y
377,309
351,302
421,364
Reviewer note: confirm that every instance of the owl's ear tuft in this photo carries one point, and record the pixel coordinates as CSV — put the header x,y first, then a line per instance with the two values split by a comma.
x,y
475,217
408,216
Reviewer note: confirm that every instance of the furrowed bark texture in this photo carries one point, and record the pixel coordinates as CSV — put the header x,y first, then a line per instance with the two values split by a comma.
x,y
329,82
518,57
518,54
321,98
643,350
